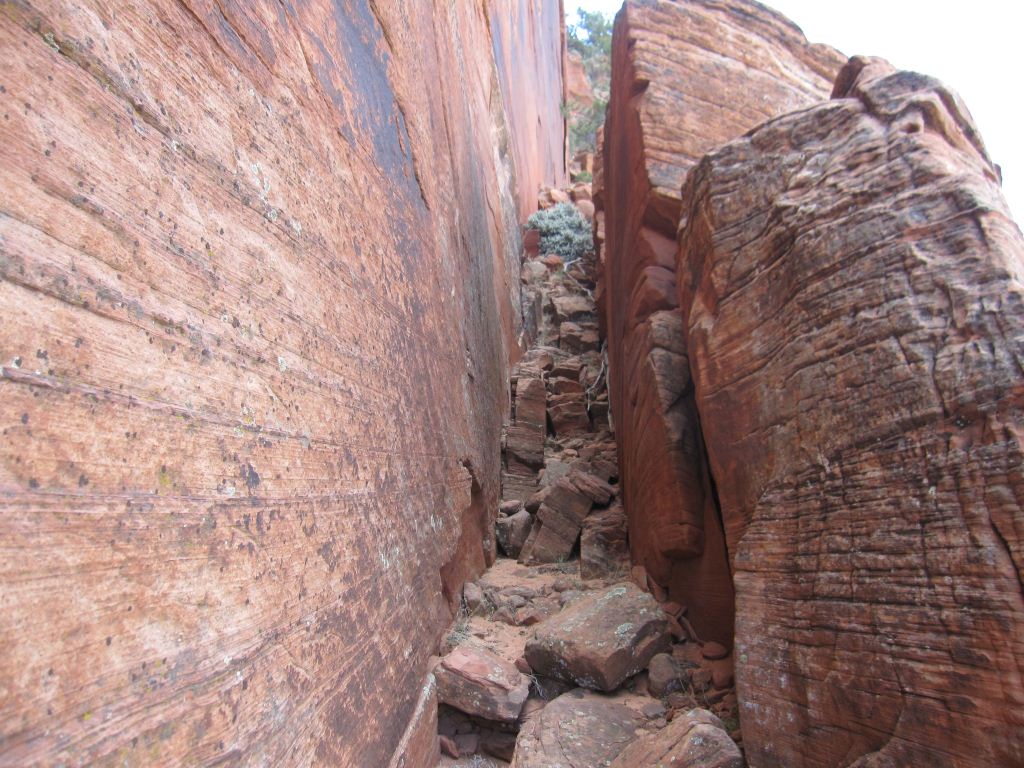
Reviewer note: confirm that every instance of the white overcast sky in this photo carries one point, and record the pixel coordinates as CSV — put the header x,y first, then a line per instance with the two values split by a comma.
x,y
974,47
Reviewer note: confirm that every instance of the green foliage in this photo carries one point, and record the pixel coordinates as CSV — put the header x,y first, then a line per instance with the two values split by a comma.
x,y
583,125
563,231
584,176
591,35
591,38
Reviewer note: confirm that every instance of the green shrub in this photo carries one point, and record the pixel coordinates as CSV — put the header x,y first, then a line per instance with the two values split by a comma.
x,y
563,231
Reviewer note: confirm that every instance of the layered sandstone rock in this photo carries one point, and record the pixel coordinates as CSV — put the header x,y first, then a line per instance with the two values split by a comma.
x,y
853,292
257,263
687,76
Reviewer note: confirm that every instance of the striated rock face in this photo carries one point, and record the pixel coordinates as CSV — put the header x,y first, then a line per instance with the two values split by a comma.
x,y
852,286
257,263
687,77
529,49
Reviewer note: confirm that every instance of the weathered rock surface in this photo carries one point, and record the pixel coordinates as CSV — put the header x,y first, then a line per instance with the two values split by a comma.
x,y
604,549
600,640
575,729
257,263
853,290
511,532
694,740
557,525
687,77
481,683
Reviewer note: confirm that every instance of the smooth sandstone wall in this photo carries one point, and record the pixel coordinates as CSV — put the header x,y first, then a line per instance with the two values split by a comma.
x,y
258,293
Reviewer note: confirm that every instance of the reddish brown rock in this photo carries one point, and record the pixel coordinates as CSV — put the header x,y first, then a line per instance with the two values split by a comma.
x,y
480,683
594,488
687,77
511,532
578,92
557,525
604,549
529,48
695,740
568,414
575,729
524,440
854,312
258,284
601,639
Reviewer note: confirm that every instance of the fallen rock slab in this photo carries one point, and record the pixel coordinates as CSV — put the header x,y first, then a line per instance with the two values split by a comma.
x,y
575,730
480,683
511,532
599,641
695,740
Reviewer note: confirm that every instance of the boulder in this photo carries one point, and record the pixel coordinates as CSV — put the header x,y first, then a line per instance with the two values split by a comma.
x,y
572,306
578,337
664,675
604,548
575,729
557,525
473,597
480,683
596,489
568,414
510,507
697,739
600,640
868,536
511,532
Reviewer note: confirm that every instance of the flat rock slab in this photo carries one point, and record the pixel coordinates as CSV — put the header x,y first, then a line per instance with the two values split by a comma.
x,y
575,730
694,740
480,683
599,641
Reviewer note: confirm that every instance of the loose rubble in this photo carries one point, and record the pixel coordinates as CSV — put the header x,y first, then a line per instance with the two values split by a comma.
x,y
610,668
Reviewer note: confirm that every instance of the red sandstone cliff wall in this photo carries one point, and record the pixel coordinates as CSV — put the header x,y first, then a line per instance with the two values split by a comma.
x,y
529,47
853,292
688,75
256,263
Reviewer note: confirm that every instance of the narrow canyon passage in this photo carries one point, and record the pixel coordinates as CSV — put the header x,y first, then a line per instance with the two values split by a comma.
x,y
563,652
350,416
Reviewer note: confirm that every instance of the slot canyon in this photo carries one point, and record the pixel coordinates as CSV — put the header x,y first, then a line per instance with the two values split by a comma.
x,y
350,416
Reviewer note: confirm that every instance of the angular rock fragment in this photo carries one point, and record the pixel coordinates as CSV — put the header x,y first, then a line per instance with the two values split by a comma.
x,y
596,489
572,307
604,549
511,532
575,729
600,640
480,683
697,739
557,525
568,414
664,675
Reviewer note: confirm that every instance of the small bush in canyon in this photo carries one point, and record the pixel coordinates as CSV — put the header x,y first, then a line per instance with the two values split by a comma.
x,y
564,231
